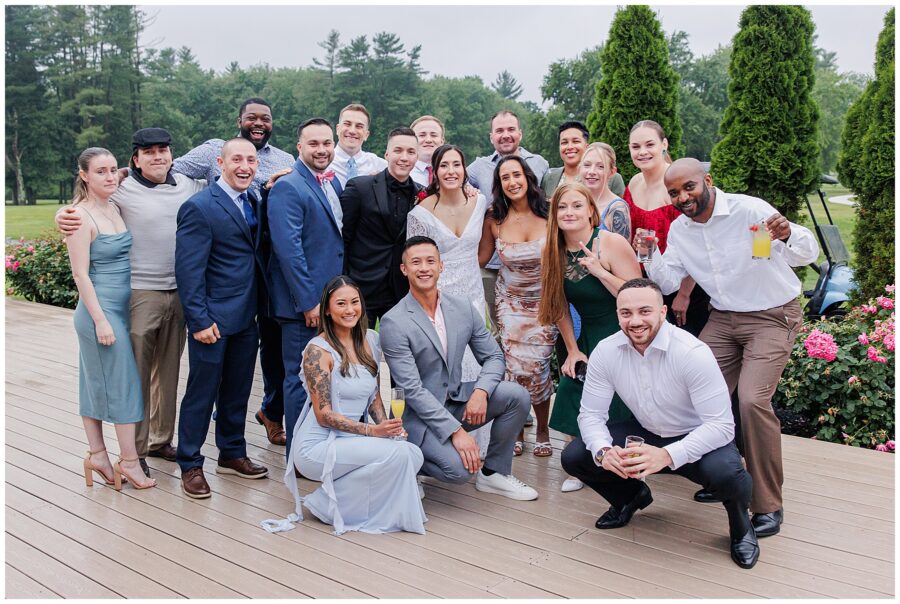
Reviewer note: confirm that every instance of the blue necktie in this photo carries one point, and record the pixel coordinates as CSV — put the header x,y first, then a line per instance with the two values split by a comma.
x,y
249,214
352,172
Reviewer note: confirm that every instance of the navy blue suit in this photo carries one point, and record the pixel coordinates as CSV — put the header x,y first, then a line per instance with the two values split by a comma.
x,y
217,268
307,252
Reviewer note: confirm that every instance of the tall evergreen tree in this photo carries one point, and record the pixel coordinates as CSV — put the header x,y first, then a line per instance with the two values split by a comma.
x,y
769,147
637,83
866,166
507,86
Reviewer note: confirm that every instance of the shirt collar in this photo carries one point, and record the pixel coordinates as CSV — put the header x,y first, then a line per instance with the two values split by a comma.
x,y
138,176
421,165
523,153
233,194
721,208
339,152
660,342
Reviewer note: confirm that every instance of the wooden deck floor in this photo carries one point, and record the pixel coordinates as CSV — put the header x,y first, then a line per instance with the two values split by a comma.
x,y
66,540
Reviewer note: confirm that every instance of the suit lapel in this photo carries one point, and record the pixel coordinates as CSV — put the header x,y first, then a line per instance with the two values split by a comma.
x,y
421,319
225,201
319,194
380,190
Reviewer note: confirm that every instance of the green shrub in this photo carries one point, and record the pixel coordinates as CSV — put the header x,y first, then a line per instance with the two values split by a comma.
x,y
39,271
769,147
637,83
866,165
841,376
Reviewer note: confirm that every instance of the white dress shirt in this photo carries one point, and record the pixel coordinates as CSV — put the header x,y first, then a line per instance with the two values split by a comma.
x,y
674,388
718,256
439,325
366,163
419,173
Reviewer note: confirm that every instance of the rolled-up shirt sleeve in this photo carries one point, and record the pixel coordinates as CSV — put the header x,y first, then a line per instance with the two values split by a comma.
x,y
710,398
597,395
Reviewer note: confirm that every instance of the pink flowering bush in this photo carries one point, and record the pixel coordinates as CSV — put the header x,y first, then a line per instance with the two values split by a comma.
x,y
840,376
39,271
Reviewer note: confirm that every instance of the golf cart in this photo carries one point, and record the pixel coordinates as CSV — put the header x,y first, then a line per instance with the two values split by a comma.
x,y
835,281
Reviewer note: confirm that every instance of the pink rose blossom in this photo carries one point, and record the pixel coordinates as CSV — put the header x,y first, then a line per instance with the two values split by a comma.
x,y
820,345
863,339
889,289
869,309
890,445
881,448
15,266
885,302
889,342
853,380
31,248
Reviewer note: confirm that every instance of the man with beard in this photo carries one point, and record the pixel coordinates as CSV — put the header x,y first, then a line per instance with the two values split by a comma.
x,y
671,383
755,314
255,125
304,213
149,200
430,133
375,209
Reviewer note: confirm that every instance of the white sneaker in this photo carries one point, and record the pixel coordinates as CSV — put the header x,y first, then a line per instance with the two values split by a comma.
x,y
571,484
506,485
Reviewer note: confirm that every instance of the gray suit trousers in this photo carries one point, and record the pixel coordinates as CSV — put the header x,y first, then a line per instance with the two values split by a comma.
x,y
508,407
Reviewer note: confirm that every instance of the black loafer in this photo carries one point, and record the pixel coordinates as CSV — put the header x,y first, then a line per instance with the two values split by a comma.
x,y
615,518
768,524
745,551
704,496
144,467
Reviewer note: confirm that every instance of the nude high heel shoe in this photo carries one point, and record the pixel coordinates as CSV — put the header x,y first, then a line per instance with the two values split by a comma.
x,y
90,468
121,477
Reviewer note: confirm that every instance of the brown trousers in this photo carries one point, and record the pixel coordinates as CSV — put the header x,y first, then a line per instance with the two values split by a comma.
x,y
158,339
752,349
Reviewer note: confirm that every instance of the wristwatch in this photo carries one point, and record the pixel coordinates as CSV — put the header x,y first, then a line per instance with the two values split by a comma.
x,y
598,459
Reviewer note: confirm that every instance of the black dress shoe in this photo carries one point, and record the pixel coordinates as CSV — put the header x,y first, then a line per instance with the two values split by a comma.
x,y
144,467
768,524
745,551
704,496
617,517
167,452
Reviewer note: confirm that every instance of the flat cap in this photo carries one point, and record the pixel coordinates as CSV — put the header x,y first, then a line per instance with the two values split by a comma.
x,y
147,137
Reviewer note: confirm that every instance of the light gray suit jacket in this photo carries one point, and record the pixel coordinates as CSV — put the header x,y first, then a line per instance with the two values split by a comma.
x,y
429,378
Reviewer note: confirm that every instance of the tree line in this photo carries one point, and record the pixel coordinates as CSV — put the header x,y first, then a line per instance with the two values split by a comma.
x,y
78,76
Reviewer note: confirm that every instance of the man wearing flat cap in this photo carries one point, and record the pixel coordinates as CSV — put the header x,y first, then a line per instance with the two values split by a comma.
x,y
149,199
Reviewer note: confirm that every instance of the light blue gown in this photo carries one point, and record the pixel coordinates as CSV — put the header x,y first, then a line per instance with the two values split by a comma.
x,y
368,483
109,388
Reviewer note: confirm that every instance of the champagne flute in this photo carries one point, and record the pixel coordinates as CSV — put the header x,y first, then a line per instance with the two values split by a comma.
x,y
398,406
633,441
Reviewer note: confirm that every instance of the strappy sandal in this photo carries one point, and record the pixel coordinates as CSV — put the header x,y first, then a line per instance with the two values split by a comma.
x,y
542,449
90,468
518,448
121,476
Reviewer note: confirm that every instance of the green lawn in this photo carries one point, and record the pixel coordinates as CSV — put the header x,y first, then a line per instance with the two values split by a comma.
x,y
30,221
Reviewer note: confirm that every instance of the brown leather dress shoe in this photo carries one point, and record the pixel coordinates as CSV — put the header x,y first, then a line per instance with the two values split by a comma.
x,y
194,484
242,467
167,452
274,430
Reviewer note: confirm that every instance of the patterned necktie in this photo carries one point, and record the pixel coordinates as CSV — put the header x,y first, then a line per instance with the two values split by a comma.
x,y
249,214
429,170
352,171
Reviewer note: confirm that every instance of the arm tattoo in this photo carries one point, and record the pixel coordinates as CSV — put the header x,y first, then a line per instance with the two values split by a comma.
x,y
376,410
621,221
319,383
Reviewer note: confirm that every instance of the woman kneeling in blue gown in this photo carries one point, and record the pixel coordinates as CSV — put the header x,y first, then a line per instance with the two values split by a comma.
x,y
368,478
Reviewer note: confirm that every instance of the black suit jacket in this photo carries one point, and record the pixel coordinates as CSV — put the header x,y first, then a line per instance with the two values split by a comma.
x,y
373,243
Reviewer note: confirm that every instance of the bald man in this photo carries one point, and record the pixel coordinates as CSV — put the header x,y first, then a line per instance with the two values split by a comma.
x,y
755,313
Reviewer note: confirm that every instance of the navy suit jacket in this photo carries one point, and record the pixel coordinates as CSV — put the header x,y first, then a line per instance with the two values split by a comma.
x,y
307,247
216,263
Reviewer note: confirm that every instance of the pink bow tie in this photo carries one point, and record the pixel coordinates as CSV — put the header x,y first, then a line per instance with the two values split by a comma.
x,y
325,176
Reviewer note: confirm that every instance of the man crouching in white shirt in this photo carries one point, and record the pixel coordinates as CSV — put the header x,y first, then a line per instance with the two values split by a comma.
x,y
672,384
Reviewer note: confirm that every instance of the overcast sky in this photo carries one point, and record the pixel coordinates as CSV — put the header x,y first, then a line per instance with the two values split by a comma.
x,y
471,40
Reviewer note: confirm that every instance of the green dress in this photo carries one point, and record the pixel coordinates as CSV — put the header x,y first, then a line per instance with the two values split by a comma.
x,y
597,308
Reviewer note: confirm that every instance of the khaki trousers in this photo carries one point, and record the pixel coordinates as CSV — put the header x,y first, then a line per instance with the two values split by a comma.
x,y
752,349
158,339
